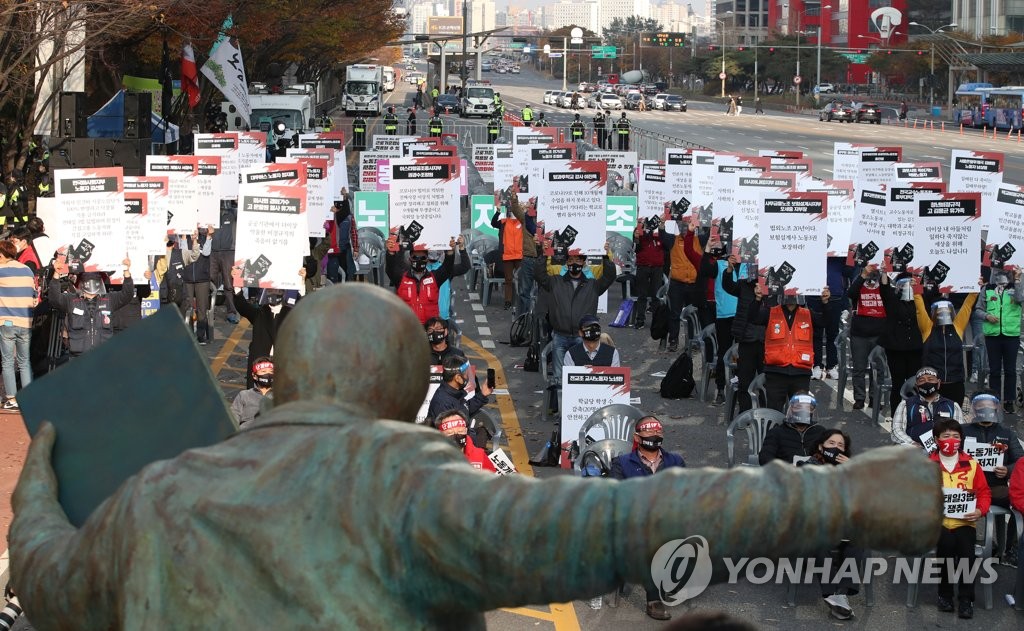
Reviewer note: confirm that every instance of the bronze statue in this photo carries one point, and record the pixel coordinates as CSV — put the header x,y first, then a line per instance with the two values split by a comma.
x,y
320,514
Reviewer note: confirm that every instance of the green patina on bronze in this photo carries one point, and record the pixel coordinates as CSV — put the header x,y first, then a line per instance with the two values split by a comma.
x,y
320,515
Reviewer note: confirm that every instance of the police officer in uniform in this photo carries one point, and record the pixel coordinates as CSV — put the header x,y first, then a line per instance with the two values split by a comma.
x,y
410,123
359,133
527,115
435,125
499,106
622,131
493,129
541,121
15,209
434,94
600,122
326,123
391,122
577,129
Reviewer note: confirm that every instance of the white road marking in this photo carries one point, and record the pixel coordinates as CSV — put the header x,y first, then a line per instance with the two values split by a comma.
x,y
481,318
474,295
477,306
484,330
487,343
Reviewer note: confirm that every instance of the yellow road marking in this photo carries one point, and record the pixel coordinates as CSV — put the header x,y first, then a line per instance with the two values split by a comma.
x,y
530,613
229,346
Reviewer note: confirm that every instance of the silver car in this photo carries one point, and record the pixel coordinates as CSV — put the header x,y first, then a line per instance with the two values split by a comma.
x,y
658,101
610,102
565,100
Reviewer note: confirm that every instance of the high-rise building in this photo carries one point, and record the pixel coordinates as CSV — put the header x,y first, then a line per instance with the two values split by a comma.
x,y
842,22
982,18
623,9
746,21
674,17
572,13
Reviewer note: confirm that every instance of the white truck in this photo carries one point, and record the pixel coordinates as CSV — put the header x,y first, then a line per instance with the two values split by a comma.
x,y
389,79
363,92
295,106
477,100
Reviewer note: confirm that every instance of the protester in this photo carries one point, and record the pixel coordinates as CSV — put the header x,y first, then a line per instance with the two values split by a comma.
x,y
868,324
714,266
22,240
591,351
826,353
455,425
682,284
943,332
17,299
1000,308
437,337
265,319
344,240
956,539
246,405
901,337
131,313
796,438
913,419
648,457
222,256
89,309
418,287
170,270
528,218
749,336
197,286
510,242
650,259
451,394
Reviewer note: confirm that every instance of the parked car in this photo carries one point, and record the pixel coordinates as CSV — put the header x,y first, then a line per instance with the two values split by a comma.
x,y
825,88
869,113
610,102
449,103
674,103
550,95
836,111
658,101
486,66
565,100
515,69
593,98
633,101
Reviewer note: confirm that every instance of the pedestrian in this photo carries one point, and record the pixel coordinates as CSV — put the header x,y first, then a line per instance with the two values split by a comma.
x,y
17,299
903,110
739,104
758,108
410,122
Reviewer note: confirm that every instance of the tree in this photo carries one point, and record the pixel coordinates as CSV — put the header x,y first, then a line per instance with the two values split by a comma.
x,y
632,24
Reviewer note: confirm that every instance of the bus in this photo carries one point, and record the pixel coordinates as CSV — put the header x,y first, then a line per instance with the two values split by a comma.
x,y
1005,107
970,103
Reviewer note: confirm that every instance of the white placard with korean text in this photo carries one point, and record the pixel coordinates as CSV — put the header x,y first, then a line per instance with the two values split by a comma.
x,y
727,168
845,161
947,240
840,212
369,168
875,168
425,192
271,238
907,172
621,169
679,172
318,207
654,189
483,160
897,243
434,382
958,503
587,389
1005,244
154,222
226,147
869,225
90,208
333,141
989,456
183,195
794,242
540,155
504,167
208,189
702,181
572,194
740,232
252,150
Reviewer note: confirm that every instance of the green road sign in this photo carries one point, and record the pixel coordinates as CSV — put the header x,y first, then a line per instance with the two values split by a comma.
x,y
603,52
517,45
856,58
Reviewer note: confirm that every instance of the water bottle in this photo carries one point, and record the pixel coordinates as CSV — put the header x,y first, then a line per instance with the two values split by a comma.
x,y
595,603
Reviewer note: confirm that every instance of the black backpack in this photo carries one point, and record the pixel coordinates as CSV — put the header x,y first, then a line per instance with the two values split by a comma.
x,y
678,382
660,320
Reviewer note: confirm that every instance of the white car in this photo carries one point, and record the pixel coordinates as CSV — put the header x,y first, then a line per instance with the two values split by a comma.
x,y
610,102
565,100
658,101
550,96
515,69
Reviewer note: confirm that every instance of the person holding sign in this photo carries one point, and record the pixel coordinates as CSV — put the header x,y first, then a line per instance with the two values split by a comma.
x,y
454,424
417,287
913,419
942,328
999,309
901,337
648,458
89,309
868,324
682,285
966,499
452,395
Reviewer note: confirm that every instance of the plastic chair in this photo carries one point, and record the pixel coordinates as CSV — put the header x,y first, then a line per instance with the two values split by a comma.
x,y
707,343
881,381
625,259
477,249
757,393
603,451
730,361
470,235
844,358
1003,518
689,323
484,418
755,423
908,389
616,421
489,282
982,551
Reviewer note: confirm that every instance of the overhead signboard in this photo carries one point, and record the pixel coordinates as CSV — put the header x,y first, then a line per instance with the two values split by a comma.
x,y
444,25
856,58
669,40
603,52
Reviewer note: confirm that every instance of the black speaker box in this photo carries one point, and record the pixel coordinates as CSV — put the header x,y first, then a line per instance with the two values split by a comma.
x,y
72,153
73,119
128,153
138,107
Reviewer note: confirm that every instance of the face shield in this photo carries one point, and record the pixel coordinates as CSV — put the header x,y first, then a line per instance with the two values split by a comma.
x,y
93,286
942,313
800,409
985,408
905,290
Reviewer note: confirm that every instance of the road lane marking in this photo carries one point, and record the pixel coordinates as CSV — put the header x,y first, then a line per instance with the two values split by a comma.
x,y
229,347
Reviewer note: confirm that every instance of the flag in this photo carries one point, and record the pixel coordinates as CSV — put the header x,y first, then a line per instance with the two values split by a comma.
x,y
226,70
189,77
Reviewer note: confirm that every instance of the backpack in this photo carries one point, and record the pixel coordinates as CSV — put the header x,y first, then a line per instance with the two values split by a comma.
x,y
678,382
532,362
660,320
519,335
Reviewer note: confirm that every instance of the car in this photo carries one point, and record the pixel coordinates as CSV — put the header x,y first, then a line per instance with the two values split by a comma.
x,y
515,69
449,103
649,88
658,101
501,70
674,103
565,100
825,88
836,111
610,101
486,66
870,113
633,100
549,96
593,98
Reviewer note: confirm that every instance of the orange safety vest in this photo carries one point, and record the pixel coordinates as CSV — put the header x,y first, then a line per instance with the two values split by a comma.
x,y
512,239
784,346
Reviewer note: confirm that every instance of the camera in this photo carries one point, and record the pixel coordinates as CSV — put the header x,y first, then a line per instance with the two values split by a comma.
x,y
409,235
561,241
779,278
900,257
865,253
1000,254
651,224
938,273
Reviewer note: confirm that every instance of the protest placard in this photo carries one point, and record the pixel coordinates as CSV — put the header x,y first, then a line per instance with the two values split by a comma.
x,y
318,206
728,168
272,233
947,236
524,139
897,241
540,155
792,251
621,215
571,203
154,221
977,172
252,151
780,153
869,225
208,189
502,463
371,210
840,212
483,160
393,144
846,161
1004,246
679,172
703,179
905,172
740,232
90,207
425,200
654,189
621,169
504,167
226,147
875,166
183,204
335,142
587,389
958,503
434,382
988,455
407,145
801,168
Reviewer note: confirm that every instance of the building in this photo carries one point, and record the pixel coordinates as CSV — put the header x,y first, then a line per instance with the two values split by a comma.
x,y
746,20
622,9
982,18
674,17
842,23
585,15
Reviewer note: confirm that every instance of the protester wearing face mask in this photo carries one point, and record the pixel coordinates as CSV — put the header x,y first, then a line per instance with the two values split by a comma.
x,y
913,419
647,458
451,394
714,267
901,337
867,325
942,328
794,440
265,318
682,285
416,285
960,472
788,345
246,405
170,269
650,260
437,337
89,310
591,351
455,426
749,336
999,306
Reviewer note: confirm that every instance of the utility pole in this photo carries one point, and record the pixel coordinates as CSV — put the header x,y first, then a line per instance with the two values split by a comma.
x,y
463,71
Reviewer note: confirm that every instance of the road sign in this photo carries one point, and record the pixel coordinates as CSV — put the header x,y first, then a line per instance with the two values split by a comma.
x,y
603,52
797,80
576,40
721,75
856,58
554,54
517,45
670,40
444,25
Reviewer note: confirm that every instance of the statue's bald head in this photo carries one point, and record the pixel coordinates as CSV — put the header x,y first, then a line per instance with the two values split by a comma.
x,y
356,344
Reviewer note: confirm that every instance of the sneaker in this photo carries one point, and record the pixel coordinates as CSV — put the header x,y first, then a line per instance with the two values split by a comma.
x,y
508,305
719,398
974,376
859,404
10,404
639,323
656,610
966,608
232,318
839,606
816,372
833,373
945,605
673,346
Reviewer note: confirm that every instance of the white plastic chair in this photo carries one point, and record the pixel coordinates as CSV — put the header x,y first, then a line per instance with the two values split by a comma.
x,y
615,421
755,423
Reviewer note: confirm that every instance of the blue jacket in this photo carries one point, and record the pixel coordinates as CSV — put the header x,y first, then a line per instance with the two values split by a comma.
x,y
725,303
630,465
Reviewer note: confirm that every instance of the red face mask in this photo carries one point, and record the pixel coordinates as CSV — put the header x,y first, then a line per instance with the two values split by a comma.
x,y
949,446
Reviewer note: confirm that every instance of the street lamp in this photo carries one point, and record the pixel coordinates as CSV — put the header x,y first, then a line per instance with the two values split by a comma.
x,y
931,76
722,74
817,74
799,27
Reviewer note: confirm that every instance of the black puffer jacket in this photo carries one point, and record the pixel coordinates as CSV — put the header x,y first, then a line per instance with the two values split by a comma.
x,y
783,442
901,331
742,329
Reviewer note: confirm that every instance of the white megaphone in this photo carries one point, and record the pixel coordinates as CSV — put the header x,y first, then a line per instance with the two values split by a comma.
x,y
885,20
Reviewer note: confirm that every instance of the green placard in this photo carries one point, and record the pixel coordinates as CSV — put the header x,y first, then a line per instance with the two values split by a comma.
x,y
620,215
371,210
481,209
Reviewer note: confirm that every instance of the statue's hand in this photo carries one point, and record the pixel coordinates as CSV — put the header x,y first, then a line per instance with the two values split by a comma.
x,y
37,483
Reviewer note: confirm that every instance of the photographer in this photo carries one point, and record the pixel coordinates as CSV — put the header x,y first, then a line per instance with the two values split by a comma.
x,y
650,259
415,285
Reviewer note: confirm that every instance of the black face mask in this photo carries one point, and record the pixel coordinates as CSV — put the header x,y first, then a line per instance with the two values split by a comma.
x,y
592,334
460,440
575,269
418,265
927,389
651,444
274,299
435,337
831,454
263,381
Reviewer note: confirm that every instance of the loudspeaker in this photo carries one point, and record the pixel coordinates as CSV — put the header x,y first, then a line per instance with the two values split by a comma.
x,y
72,153
121,152
138,107
73,120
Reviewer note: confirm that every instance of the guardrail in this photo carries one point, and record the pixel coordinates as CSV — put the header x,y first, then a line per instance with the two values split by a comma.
x,y
651,145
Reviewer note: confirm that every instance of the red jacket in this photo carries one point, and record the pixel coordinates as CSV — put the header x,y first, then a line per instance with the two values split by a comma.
x,y
785,346
420,295
965,475
1017,488
478,457
649,251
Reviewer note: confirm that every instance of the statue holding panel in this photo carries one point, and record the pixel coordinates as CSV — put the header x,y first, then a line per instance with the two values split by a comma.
x,y
322,514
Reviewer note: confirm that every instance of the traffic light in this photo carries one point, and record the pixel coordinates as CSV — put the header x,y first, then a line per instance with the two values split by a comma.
x,y
771,50
920,52
740,48
711,48
888,52
860,51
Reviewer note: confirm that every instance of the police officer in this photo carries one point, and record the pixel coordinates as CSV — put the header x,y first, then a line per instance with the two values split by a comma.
x,y
577,129
15,208
600,122
435,125
499,106
359,133
89,310
326,123
434,94
391,122
541,121
527,115
621,128
44,188
493,129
